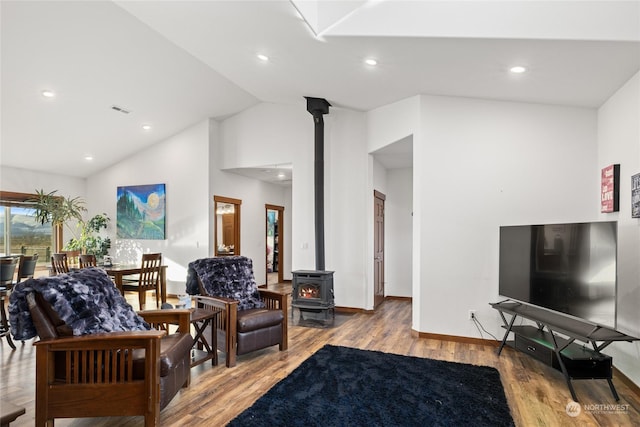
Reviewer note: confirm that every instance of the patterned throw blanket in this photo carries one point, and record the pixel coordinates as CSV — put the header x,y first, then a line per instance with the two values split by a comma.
x,y
229,277
86,300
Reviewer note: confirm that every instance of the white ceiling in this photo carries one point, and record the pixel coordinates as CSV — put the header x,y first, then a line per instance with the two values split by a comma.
x,y
174,63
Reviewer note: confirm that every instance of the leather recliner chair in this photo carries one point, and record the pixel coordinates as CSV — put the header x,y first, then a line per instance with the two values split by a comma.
x,y
251,318
93,376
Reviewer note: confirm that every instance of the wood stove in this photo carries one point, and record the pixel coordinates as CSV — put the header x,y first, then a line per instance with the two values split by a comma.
x,y
313,290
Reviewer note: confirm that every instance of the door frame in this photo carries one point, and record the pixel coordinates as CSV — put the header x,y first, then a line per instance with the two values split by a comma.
x,y
280,209
377,234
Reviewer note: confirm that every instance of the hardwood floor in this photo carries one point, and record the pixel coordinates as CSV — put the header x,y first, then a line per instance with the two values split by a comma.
x,y
537,394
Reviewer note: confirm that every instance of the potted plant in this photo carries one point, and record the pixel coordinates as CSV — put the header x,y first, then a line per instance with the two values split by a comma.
x,y
58,210
90,241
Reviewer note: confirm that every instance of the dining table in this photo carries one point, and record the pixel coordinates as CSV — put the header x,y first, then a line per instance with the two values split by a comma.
x,y
118,271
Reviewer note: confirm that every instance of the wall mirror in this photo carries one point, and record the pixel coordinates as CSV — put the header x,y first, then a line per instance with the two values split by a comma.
x,y
227,226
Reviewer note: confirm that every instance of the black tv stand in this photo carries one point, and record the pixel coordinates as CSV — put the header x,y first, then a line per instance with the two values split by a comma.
x,y
556,345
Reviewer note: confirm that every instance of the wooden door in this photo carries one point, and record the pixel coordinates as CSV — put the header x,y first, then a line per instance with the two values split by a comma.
x,y
378,248
228,233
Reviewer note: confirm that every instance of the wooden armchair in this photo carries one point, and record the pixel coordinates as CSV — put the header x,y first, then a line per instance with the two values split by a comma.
x,y
122,373
242,331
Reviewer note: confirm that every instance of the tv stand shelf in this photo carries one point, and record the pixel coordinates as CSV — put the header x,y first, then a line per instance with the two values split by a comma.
x,y
556,345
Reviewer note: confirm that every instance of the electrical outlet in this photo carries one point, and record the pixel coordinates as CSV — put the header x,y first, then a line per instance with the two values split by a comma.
x,y
472,314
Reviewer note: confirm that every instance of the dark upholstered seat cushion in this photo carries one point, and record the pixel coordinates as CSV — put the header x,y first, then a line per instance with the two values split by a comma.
x,y
227,277
258,318
172,350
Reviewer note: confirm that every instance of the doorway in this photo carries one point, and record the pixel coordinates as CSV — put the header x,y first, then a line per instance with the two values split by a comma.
x,y
227,226
274,248
378,248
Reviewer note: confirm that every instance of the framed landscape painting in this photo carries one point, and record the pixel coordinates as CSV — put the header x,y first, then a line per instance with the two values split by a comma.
x,y
140,212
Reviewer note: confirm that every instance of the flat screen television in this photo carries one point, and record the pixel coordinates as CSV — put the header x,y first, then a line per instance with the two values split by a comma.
x,y
569,268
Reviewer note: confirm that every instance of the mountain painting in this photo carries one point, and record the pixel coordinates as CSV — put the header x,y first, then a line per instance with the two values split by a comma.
x,y
141,212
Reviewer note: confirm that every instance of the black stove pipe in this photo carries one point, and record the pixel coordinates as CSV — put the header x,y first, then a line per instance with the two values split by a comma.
x,y
318,107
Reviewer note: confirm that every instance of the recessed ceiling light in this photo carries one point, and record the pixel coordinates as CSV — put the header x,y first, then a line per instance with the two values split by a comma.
x,y
146,127
88,158
281,175
262,57
518,69
371,61
48,93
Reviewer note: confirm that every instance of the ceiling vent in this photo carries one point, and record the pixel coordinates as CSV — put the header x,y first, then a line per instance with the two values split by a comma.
x,y
120,109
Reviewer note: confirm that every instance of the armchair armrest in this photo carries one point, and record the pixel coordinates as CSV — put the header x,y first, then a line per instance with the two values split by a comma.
x,y
104,341
160,319
226,322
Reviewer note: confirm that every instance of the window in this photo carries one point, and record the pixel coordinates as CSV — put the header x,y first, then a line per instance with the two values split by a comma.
x,y
20,233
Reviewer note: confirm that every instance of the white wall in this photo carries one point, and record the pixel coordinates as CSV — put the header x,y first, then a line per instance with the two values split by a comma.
x,y
399,232
347,201
181,163
619,142
393,122
265,135
288,229
27,181
271,134
481,164
379,175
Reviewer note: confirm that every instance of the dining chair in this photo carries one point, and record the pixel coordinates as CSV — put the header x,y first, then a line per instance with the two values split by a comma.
x,y
7,271
87,260
26,267
59,264
148,280
73,257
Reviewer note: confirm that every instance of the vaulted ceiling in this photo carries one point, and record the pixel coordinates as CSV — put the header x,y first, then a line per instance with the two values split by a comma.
x,y
171,64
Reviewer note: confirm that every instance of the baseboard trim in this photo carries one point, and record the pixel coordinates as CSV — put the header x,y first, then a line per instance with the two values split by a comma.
x,y
627,381
407,299
455,338
352,310
364,310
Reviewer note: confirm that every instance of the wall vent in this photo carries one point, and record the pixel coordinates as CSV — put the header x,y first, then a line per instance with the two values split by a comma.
x,y
120,109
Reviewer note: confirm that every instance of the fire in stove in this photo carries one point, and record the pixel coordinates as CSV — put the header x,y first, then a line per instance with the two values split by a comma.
x,y
309,291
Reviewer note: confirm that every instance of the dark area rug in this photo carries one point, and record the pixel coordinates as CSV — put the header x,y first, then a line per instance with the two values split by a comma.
x,y
341,386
